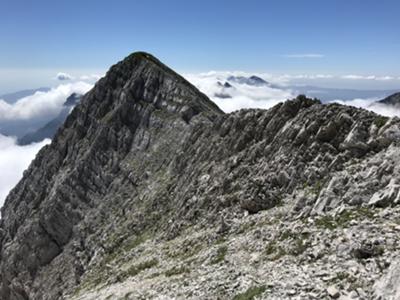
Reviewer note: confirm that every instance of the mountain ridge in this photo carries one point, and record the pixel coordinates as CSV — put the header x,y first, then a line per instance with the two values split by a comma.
x,y
393,100
148,180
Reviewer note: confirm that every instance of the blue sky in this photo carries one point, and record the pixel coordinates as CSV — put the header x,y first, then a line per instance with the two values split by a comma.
x,y
309,37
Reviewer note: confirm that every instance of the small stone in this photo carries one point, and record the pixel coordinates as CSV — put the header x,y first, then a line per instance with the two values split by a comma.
x,y
313,295
333,292
353,295
361,293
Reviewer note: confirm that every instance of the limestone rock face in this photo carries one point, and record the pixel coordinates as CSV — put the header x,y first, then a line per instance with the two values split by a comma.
x,y
141,109
147,159
388,287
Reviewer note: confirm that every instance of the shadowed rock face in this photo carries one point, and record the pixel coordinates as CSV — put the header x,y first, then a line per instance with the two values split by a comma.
x,y
146,152
392,100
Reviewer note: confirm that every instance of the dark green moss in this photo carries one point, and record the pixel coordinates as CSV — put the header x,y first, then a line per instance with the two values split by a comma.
x,y
344,218
136,269
271,248
176,271
380,121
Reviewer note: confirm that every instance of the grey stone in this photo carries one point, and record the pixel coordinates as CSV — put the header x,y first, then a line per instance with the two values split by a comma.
x,y
127,199
333,292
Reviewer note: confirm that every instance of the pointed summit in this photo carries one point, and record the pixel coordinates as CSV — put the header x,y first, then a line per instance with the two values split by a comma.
x,y
127,129
142,77
146,170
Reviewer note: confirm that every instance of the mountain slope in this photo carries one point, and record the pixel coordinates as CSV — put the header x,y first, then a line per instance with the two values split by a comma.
x,y
148,182
392,100
49,129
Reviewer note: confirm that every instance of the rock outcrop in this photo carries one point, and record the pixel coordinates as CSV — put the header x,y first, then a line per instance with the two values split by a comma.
x,y
393,100
149,180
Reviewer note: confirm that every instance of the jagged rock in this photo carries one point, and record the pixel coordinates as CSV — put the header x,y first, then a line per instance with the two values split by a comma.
x,y
224,227
388,287
356,140
327,133
389,195
258,202
333,292
129,194
367,250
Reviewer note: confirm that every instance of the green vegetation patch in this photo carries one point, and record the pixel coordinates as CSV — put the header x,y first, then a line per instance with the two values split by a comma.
x,y
221,253
274,252
314,189
344,218
135,242
380,121
300,246
251,293
136,269
177,271
271,248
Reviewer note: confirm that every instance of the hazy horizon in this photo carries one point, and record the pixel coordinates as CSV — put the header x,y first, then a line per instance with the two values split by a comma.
x,y
342,44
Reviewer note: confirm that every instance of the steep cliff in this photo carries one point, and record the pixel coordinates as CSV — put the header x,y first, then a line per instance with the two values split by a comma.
x,y
149,190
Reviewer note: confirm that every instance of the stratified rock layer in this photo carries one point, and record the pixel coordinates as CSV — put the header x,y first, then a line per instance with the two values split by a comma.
x,y
146,157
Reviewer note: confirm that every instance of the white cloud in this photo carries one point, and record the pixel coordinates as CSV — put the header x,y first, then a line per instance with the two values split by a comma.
x,y
385,78
367,77
91,77
14,160
289,77
63,76
240,95
247,96
372,105
41,104
304,55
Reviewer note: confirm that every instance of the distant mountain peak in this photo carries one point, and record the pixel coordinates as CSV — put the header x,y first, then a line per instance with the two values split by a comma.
x,y
252,80
392,100
73,99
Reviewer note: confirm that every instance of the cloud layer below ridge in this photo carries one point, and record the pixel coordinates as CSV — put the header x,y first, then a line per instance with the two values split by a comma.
x,y
14,160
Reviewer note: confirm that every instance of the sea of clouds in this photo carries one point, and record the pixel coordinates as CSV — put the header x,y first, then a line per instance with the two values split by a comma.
x,y
14,159
43,105
242,95
278,90
373,105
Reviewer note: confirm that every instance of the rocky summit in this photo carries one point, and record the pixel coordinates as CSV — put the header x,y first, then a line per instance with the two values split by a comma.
x,y
150,191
